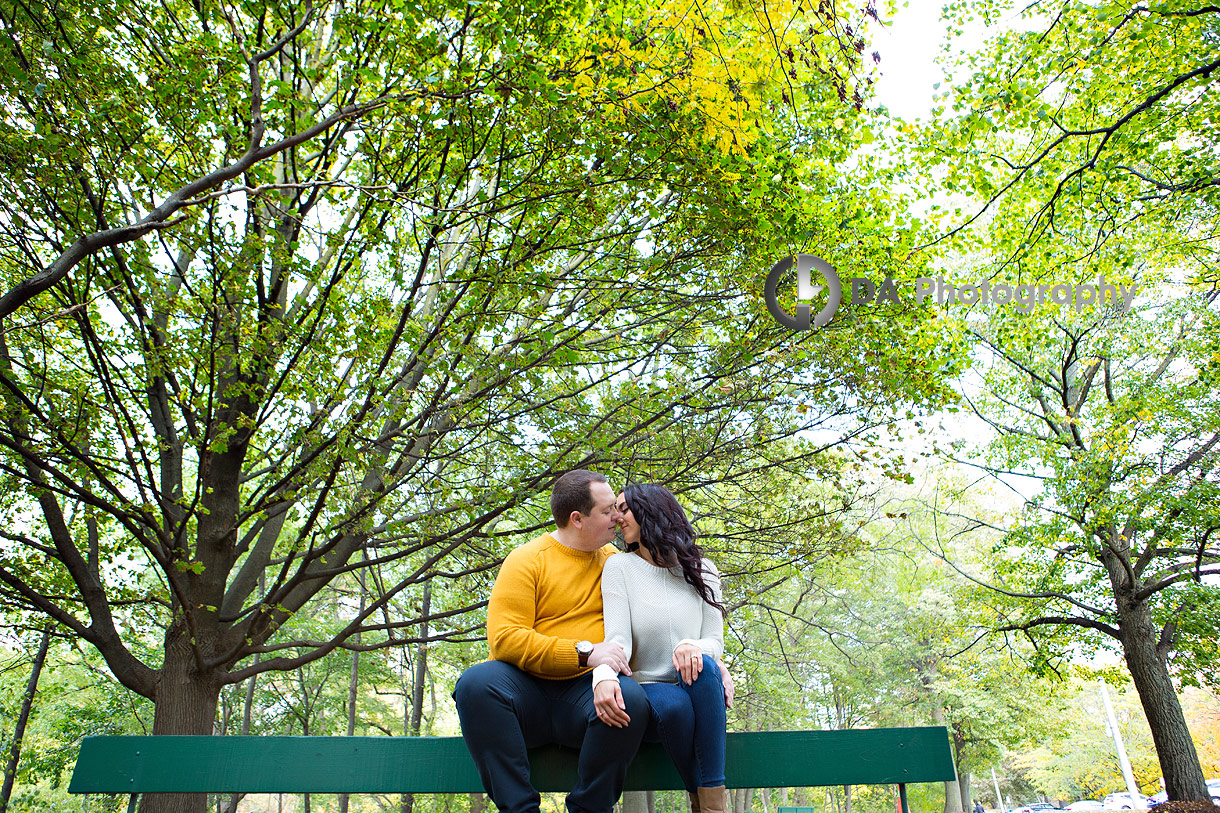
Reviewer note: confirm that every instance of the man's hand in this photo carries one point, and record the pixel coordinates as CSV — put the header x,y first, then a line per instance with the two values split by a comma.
x,y
688,660
611,654
608,700
728,684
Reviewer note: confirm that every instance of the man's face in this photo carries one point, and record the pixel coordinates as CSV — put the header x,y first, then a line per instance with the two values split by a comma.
x,y
598,528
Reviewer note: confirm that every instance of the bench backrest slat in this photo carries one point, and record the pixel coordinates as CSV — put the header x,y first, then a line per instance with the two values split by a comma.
x,y
148,764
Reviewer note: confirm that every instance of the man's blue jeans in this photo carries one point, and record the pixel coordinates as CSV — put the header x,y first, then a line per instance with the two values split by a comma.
x,y
504,712
689,720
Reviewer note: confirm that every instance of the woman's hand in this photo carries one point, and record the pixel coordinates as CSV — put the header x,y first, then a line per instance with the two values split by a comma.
x,y
612,654
688,660
728,684
608,701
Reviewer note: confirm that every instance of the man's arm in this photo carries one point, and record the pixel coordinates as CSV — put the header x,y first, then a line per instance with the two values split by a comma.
x,y
511,614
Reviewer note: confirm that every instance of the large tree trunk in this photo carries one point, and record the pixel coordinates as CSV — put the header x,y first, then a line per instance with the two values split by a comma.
x,y
637,801
953,797
963,776
246,714
1174,747
186,702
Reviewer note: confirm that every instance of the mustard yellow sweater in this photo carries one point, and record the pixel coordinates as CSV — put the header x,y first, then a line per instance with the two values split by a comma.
x,y
546,598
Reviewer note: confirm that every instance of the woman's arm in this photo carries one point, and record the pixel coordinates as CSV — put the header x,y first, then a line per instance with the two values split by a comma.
x,y
711,623
616,621
616,615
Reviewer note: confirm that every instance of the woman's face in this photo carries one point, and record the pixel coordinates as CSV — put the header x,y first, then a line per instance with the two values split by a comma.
x,y
631,528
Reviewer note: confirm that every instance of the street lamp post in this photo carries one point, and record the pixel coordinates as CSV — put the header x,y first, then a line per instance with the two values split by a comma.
x,y
999,800
1123,762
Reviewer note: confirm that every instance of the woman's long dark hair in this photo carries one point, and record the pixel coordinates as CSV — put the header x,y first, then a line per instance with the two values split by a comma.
x,y
668,535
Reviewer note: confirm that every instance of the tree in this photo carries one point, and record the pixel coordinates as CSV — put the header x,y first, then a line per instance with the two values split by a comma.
x,y
23,718
1115,415
881,633
1086,117
1083,763
299,290
1202,708
76,697
1080,133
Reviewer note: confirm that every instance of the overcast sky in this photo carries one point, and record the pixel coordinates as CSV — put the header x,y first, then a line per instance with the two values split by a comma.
x,y
908,51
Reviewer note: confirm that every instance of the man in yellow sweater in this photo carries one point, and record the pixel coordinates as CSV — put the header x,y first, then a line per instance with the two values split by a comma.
x,y
544,616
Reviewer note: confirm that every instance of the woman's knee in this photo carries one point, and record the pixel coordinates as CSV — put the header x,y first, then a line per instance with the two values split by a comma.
x,y
710,673
707,692
634,698
676,713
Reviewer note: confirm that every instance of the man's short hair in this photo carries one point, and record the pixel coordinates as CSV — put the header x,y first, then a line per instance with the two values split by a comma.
x,y
572,493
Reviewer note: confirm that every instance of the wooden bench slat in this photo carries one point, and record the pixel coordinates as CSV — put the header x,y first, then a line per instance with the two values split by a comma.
x,y
150,764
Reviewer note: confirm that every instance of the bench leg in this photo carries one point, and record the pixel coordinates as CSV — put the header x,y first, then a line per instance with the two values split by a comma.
x,y
902,797
131,805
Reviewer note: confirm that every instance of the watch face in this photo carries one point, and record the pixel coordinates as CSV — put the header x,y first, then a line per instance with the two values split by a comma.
x,y
584,647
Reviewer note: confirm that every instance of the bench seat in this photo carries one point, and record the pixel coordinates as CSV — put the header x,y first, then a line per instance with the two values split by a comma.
x,y
257,764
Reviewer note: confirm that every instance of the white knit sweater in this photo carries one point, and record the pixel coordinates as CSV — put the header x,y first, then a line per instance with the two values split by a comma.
x,y
649,610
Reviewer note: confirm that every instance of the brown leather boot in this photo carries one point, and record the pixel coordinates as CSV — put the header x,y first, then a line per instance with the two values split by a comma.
x,y
712,800
694,802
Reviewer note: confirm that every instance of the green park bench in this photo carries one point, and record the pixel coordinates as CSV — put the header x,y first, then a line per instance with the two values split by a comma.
x,y
769,759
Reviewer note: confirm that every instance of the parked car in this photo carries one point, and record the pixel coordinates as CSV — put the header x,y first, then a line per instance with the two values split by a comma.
x,y
1125,801
1086,804
1035,807
1213,787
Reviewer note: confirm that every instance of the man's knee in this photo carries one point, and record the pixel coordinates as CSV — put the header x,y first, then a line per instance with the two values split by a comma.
x,y
481,684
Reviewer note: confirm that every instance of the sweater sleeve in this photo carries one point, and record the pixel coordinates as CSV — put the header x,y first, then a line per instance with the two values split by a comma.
x,y
616,606
711,626
511,614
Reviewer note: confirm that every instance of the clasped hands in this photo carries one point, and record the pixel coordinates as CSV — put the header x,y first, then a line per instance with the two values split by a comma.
x,y
608,695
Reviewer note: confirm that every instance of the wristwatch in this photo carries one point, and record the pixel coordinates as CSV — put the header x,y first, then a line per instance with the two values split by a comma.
x,y
583,650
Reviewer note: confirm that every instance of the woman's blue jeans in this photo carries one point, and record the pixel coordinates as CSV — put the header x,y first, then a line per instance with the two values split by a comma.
x,y
689,721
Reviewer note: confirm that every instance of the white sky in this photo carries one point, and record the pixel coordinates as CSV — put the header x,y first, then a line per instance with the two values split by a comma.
x,y
909,48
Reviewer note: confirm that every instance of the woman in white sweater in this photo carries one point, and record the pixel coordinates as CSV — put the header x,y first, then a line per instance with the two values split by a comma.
x,y
661,602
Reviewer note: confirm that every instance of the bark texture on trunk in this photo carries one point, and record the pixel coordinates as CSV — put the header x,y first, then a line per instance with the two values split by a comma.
x,y
186,702
953,798
1174,747
634,801
963,776
963,782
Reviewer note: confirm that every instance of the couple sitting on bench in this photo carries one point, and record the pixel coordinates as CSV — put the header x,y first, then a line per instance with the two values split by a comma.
x,y
598,652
